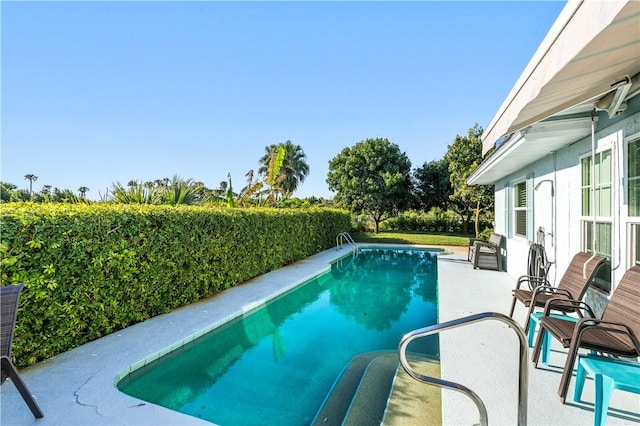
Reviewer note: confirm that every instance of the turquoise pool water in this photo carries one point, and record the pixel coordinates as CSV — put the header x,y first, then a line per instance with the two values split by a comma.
x,y
277,364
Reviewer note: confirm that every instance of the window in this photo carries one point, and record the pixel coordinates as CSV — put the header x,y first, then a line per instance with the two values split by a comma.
x,y
602,190
598,186
603,238
633,167
520,209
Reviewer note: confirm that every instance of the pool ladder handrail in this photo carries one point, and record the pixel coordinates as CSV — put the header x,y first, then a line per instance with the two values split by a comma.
x,y
524,359
344,236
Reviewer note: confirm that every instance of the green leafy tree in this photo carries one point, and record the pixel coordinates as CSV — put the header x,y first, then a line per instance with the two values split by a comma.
x,y
305,203
31,178
6,189
372,177
202,192
20,195
294,168
432,185
63,196
463,156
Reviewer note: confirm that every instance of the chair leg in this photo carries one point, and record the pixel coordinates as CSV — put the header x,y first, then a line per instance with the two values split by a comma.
x,y
513,307
532,307
7,365
568,370
535,355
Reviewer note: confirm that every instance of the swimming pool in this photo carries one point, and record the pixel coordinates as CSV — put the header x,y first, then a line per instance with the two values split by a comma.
x,y
276,364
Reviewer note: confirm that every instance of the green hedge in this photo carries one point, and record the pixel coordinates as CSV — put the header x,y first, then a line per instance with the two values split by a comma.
x,y
90,270
435,220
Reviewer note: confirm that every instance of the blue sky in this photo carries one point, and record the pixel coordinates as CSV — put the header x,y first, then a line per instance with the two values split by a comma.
x,y
99,92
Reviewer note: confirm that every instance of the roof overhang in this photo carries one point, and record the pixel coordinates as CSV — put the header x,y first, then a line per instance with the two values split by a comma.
x,y
589,47
529,145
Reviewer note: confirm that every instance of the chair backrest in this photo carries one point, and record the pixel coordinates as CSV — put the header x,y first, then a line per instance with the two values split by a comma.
x,y
496,239
580,273
624,305
9,297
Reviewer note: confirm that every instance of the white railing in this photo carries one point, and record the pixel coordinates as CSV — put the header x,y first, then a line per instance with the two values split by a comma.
x,y
343,238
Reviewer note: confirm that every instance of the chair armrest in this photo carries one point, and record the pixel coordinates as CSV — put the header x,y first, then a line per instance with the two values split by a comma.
x,y
614,327
532,281
487,244
553,290
472,241
578,305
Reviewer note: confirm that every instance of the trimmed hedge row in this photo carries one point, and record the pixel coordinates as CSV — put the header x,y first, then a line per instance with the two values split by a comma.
x,y
435,220
90,270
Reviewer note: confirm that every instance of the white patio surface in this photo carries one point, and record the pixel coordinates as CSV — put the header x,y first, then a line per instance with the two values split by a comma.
x,y
78,387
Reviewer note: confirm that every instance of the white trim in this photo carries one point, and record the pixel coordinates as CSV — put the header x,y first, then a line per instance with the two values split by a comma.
x,y
628,222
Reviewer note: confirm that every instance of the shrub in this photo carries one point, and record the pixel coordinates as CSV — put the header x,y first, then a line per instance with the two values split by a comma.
x,y
90,270
435,220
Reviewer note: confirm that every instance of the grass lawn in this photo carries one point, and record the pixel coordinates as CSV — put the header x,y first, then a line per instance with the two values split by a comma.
x,y
408,237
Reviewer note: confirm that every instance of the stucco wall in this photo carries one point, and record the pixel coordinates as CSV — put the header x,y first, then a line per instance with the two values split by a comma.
x,y
558,176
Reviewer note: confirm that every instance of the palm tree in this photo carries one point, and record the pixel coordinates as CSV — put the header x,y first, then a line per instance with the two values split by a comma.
x,y
83,191
31,178
294,166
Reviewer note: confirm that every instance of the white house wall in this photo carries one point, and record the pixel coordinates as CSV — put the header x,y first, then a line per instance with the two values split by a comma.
x,y
562,171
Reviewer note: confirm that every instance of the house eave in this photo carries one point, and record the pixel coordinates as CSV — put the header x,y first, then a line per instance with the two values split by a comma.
x,y
528,146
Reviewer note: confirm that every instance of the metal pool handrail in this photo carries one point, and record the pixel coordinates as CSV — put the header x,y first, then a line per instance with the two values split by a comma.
x,y
524,357
344,236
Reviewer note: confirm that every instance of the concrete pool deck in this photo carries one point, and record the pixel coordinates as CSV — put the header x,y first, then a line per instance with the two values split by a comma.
x,y
78,387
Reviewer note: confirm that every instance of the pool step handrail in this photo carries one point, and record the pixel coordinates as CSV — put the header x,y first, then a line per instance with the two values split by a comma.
x,y
437,328
343,237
